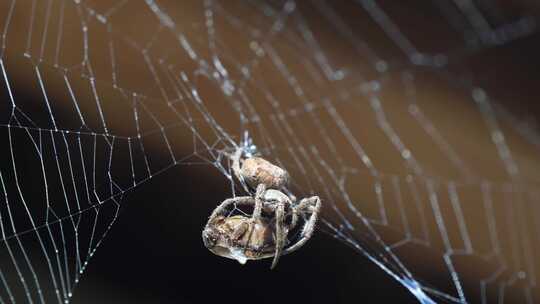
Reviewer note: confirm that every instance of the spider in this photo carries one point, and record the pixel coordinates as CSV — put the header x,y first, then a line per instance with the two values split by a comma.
x,y
275,214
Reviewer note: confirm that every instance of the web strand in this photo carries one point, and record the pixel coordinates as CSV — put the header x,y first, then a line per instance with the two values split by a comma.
x,y
346,97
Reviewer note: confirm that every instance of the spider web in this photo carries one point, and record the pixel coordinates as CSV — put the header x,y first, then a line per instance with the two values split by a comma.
x,y
346,97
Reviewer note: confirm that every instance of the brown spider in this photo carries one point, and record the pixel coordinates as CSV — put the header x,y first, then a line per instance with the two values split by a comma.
x,y
275,214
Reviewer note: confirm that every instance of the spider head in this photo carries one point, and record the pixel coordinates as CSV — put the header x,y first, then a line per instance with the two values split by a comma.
x,y
238,238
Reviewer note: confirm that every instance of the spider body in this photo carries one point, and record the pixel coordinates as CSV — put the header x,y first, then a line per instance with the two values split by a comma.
x,y
257,170
275,214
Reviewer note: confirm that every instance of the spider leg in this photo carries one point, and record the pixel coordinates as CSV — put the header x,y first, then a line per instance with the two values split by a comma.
x,y
303,204
310,203
257,210
294,217
241,200
315,204
236,158
281,234
240,231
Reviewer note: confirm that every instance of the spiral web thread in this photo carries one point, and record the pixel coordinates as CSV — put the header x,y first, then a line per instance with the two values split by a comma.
x,y
120,102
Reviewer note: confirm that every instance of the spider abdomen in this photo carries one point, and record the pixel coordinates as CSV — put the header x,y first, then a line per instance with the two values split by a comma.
x,y
257,171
